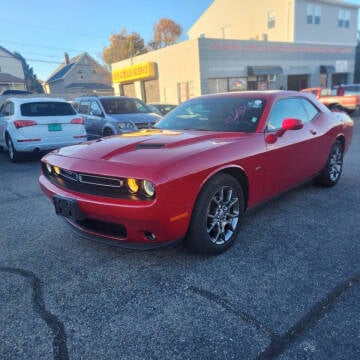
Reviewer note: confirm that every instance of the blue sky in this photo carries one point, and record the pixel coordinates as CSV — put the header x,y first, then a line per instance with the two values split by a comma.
x,y
42,30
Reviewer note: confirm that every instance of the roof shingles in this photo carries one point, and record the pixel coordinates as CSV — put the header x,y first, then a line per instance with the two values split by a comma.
x,y
61,73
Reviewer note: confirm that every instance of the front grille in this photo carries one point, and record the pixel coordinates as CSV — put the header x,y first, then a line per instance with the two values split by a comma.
x,y
91,184
101,180
144,125
69,175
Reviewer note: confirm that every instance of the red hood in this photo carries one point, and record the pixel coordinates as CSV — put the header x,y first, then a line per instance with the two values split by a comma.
x,y
148,147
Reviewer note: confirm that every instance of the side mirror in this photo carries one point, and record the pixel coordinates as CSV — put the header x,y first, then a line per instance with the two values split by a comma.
x,y
292,124
287,124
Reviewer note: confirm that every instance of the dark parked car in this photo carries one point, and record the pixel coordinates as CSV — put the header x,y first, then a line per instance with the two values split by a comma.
x,y
15,92
162,109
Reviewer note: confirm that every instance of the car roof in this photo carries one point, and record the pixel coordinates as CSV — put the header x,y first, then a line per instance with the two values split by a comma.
x,y
23,100
265,94
88,97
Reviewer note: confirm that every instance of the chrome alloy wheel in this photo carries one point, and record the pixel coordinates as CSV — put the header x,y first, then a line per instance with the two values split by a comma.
x,y
335,163
223,215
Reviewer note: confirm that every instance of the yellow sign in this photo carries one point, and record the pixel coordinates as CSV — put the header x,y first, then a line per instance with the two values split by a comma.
x,y
141,71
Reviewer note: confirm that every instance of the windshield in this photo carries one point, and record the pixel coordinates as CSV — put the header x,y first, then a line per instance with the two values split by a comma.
x,y
124,106
215,114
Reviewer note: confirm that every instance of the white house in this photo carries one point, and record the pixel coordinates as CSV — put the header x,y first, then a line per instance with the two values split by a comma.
x,y
11,71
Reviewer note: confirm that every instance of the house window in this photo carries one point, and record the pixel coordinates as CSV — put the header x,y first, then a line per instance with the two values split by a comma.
x,y
344,18
271,19
313,14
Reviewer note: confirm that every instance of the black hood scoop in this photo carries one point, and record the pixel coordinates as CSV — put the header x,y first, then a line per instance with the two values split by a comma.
x,y
150,146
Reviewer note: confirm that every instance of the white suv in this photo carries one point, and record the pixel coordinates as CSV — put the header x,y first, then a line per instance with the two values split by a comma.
x,y
38,124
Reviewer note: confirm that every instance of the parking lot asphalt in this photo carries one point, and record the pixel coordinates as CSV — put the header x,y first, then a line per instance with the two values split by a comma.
x,y
288,289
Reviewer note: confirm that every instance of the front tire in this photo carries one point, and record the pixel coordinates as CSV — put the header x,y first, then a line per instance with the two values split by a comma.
x,y
331,173
107,132
215,221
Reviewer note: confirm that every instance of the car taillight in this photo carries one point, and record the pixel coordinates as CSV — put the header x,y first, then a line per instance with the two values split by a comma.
x,y
77,121
23,123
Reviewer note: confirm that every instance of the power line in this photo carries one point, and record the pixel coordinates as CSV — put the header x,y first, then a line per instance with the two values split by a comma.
x,y
39,60
44,47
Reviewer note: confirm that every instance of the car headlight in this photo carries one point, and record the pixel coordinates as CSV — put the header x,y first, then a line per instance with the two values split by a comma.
x,y
126,125
52,170
133,185
145,187
48,168
148,187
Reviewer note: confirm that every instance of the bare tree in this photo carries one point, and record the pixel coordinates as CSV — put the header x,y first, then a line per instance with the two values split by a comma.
x,y
123,46
166,32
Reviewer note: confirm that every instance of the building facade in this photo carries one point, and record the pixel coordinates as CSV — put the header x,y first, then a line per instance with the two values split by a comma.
x,y
323,22
80,75
11,72
277,44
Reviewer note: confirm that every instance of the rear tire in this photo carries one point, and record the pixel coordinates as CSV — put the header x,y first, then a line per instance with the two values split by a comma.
x,y
14,155
331,173
215,221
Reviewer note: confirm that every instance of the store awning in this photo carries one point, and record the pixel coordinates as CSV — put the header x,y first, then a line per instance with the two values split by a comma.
x,y
264,70
327,69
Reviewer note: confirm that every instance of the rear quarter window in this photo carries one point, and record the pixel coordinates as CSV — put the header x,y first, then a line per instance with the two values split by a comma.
x,y
47,109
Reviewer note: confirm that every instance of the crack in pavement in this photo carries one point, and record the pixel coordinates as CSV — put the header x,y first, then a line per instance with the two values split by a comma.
x,y
228,306
307,322
59,335
279,344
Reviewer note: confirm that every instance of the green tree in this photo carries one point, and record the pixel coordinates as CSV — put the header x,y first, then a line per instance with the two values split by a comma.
x,y
123,46
31,82
166,32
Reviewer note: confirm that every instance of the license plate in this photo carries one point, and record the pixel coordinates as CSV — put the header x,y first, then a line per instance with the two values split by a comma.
x,y
68,208
54,127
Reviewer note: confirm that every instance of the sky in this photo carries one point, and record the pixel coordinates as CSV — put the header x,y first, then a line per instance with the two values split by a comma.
x,y
43,30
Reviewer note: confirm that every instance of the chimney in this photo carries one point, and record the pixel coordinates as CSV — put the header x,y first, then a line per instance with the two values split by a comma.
x,y
66,57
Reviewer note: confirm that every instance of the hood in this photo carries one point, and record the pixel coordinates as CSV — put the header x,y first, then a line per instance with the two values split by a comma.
x,y
149,147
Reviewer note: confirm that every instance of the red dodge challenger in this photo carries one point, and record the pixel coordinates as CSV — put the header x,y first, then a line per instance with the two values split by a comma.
x,y
195,174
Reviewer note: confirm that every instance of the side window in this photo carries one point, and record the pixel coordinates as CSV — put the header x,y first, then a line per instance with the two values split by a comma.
x,y
7,109
286,108
95,108
141,107
311,110
84,107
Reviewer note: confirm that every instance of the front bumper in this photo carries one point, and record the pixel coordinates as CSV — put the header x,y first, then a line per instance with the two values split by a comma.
x,y
130,224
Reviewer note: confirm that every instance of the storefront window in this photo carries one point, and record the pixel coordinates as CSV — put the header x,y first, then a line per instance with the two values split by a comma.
x,y
217,86
237,84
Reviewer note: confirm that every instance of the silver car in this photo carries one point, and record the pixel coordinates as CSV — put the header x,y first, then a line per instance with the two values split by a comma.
x,y
109,115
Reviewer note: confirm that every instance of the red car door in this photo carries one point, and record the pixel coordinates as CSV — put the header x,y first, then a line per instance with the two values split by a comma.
x,y
293,156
